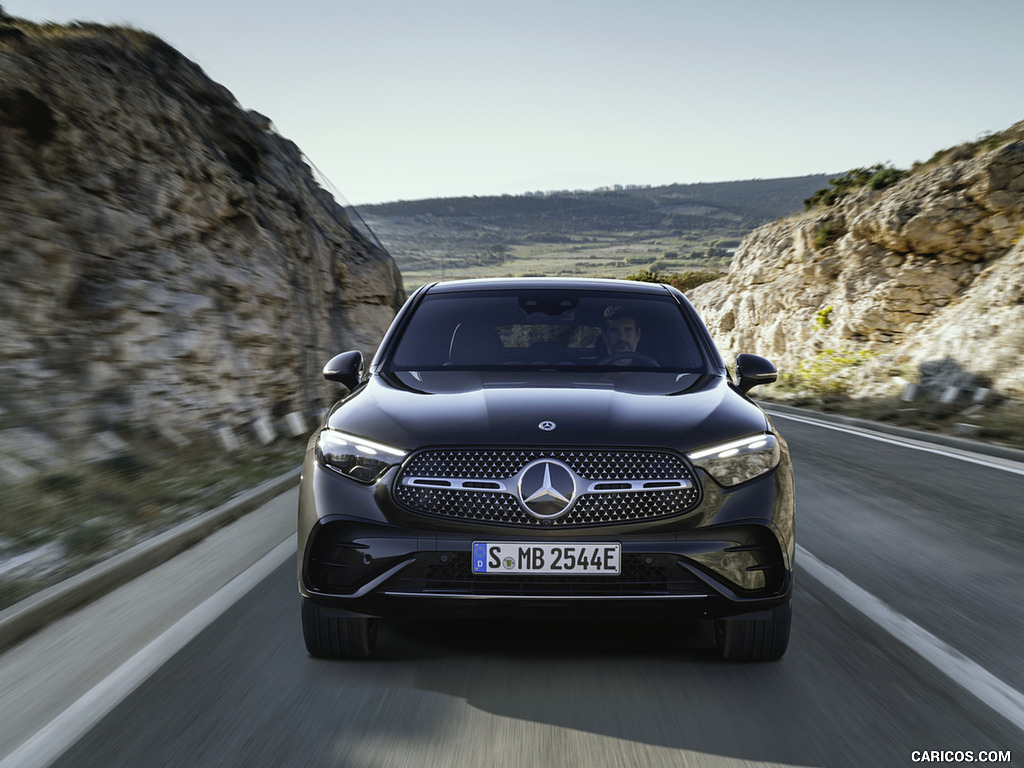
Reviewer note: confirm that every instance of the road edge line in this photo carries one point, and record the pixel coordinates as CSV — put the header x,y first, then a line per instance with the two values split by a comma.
x,y
52,740
990,460
954,442
1004,699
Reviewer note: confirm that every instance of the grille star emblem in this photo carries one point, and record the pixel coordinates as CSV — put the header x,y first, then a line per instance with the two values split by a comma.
x,y
547,426
547,488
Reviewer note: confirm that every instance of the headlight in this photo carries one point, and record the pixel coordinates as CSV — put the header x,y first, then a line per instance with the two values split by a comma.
x,y
740,460
356,457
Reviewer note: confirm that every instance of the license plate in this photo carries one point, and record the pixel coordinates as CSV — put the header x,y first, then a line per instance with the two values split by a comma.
x,y
531,557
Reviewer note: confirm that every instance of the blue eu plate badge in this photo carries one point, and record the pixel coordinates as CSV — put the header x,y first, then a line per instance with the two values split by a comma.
x,y
479,557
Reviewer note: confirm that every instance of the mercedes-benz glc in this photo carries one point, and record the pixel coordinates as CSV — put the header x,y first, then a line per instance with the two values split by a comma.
x,y
547,448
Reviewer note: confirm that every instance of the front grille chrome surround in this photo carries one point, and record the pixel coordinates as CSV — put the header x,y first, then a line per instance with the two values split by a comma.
x,y
482,485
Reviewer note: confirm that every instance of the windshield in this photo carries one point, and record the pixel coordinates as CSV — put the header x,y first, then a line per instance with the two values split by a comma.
x,y
544,329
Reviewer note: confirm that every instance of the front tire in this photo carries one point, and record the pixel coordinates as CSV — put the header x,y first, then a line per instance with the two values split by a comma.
x,y
755,639
333,637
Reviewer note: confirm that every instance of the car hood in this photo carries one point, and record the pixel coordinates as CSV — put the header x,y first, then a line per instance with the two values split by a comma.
x,y
682,412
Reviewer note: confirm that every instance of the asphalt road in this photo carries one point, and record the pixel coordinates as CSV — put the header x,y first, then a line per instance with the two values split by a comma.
x,y
934,537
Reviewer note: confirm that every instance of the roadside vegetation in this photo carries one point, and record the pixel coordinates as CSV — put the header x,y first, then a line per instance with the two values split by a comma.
x,y
684,282
57,523
984,143
15,28
876,177
828,382
884,175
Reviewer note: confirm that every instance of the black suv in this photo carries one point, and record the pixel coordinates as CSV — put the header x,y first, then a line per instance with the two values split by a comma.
x,y
547,447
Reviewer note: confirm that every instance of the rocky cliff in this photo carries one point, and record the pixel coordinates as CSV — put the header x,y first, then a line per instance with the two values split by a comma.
x,y
925,277
166,258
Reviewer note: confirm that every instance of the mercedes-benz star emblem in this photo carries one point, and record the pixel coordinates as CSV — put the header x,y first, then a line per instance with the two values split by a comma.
x,y
547,426
547,488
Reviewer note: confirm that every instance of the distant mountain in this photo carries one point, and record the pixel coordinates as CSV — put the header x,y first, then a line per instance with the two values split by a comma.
x,y
743,205
600,233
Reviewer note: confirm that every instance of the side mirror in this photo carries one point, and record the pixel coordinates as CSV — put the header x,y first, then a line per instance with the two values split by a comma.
x,y
345,368
753,370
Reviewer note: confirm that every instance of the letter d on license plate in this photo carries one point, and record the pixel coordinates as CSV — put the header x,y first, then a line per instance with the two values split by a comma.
x,y
532,557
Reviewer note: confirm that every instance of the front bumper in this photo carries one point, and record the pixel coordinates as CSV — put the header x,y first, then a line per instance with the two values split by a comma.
x,y
378,570
360,555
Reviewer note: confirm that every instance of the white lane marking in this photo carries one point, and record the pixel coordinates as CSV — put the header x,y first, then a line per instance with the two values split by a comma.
x,y
972,677
57,736
954,453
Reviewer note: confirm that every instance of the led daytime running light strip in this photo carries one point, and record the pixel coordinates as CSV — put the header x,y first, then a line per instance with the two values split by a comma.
x,y
359,443
733,448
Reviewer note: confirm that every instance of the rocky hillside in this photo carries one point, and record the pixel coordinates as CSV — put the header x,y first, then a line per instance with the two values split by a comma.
x,y
922,282
166,258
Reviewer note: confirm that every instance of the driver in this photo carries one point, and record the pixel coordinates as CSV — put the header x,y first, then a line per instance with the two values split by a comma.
x,y
621,331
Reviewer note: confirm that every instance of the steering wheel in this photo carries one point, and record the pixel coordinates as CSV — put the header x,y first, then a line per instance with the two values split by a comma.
x,y
636,356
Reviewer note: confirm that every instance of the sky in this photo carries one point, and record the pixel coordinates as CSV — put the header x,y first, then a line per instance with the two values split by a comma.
x,y
413,99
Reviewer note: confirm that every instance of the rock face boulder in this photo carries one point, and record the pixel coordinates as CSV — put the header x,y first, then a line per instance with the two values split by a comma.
x,y
166,258
928,270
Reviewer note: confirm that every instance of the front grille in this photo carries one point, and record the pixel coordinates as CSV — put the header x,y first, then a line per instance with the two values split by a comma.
x,y
642,575
478,485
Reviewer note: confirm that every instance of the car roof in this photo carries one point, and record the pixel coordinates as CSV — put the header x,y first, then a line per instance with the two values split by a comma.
x,y
549,283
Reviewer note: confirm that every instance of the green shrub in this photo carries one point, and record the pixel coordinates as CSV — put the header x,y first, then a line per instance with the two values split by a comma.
x,y
878,176
885,177
684,282
830,372
647,276
827,232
